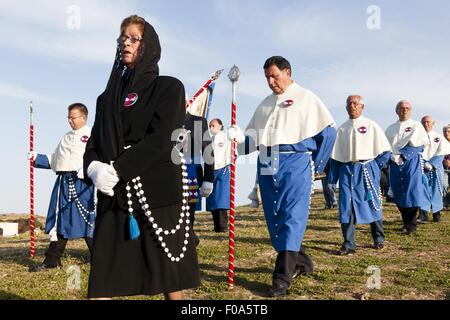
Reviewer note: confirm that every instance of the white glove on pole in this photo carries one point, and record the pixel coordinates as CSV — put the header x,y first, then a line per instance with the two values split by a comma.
x,y
206,189
80,174
104,177
31,155
428,166
235,133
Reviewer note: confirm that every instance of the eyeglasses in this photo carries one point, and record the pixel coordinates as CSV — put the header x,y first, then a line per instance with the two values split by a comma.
x,y
133,39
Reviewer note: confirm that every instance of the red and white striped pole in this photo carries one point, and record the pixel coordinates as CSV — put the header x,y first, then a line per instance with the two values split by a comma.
x,y
32,240
204,87
234,77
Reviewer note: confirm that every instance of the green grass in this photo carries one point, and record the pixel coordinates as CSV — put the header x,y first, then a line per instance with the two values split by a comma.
x,y
412,267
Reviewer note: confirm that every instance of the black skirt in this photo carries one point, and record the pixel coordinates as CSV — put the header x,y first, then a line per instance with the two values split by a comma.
x,y
124,267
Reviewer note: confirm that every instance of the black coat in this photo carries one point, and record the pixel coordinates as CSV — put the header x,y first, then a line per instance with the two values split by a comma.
x,y
146,125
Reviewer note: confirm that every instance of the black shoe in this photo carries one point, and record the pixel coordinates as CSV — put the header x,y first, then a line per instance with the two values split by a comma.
x,y
437,217
378,246
346,251
277,291
411,233
423,217
43,267
300,271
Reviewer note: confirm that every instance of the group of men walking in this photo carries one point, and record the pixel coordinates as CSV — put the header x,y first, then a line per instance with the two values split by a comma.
x,y
297,138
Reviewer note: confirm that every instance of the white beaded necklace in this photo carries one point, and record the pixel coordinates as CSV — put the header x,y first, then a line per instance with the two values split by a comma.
x,y
160,232
372,190
73,195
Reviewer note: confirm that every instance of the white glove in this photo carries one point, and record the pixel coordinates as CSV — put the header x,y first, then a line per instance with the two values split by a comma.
x,y
253,196
53,235
104,177
390,193
31,155
80,174
182,139
428,166
206,189
235,133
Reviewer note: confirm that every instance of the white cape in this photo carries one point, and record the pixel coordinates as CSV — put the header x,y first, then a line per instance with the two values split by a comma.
x,y
69,153
438,146
289,118
359,139
222,150
411,132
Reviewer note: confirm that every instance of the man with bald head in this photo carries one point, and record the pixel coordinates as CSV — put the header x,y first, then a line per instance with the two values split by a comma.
x,y
406,184
433,157
360,152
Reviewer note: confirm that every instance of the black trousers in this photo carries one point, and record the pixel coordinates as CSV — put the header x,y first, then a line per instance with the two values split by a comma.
x,y
287,263
56,249
220,218
409,217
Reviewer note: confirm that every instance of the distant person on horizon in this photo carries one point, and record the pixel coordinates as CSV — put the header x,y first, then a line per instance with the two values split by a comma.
x,y
71,213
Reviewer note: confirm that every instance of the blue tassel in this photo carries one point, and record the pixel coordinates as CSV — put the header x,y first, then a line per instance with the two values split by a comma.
x,y
134,228
424,180
368,196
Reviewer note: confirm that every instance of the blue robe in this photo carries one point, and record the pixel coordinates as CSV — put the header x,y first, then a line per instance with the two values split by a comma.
x,y
220,197
434,191
195,199
406,181
69,219
354,191
286,182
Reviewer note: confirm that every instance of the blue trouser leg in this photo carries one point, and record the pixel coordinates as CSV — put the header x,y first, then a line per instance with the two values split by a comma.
x,y
348,231
377,231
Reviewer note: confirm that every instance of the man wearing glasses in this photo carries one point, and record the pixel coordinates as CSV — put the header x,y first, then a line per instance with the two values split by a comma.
x,y
71,212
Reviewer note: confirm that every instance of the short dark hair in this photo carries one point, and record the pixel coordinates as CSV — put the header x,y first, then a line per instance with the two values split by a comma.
x,y
278,61
218,121
77,105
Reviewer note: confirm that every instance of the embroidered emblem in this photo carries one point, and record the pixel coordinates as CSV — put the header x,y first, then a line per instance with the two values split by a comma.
x,y
288,103
437,140
84,139
362,130
409,129
220,145
130,100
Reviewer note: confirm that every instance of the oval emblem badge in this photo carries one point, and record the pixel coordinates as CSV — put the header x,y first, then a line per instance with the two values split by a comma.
x,y
362,130
409,129
288,103
84,139
130,100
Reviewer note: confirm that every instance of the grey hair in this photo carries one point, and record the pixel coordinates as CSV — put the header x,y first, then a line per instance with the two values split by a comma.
x,y
361,99
403,102
445,128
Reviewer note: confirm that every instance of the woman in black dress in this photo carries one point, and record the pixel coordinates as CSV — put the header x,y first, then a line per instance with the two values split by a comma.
x,y
142,240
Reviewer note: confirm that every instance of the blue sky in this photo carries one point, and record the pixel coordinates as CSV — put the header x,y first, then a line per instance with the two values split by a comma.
x,y
330,47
